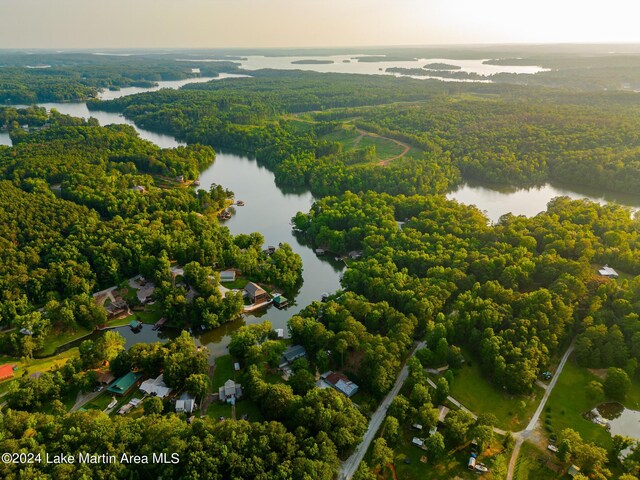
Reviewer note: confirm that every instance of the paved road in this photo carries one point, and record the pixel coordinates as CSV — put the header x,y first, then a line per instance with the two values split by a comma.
x,y
524,434
350,465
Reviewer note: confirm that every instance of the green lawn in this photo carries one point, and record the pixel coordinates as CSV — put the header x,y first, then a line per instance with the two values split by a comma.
x,y
533,464
56,340
223,372
35,365
569,401
246,406
475,392
217,409
384,148
238,284
101,402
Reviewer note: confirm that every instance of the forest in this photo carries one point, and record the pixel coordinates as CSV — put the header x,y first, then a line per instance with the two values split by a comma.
x,y
499,134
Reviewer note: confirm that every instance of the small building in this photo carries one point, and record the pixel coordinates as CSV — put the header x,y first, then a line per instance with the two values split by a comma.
x,y
155,387
341,383
117,308
573,470
139,188
471,465
416,426
320,251
418,442
433,430
280,332
608,272
125,383
230,392
552,448
256,293
135,325
228,276
354,255
293,353
442,413
280,301
105,377
185,404
26,331
6,371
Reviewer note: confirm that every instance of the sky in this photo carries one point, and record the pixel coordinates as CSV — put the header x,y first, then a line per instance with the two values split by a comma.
x,y
311,23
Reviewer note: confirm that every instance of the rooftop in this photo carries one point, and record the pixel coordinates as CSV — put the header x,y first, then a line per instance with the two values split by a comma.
x,y
124,383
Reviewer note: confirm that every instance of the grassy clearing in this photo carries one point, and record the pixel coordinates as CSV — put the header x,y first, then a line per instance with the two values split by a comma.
x,y
29,366
101,402
534,464
569,401
217,410
474,391
223,372
384,148
56,340
238,284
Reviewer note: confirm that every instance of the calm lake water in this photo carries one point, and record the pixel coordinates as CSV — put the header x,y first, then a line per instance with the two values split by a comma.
x,y
349,64
496,201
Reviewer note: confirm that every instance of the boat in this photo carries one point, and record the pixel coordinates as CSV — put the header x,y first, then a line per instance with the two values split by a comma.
x,y
196,183
481,467
240,203
325,297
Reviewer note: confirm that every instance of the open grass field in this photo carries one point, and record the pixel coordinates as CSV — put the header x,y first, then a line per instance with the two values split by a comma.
x,y
475,392
223,372
536,464
29,366
569,401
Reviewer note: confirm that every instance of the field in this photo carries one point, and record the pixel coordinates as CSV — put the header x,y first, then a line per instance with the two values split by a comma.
x,y
350,139
475,392
533,464
29,366
223,372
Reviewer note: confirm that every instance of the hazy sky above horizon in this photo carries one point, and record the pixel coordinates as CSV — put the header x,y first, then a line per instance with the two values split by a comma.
x,y
307,23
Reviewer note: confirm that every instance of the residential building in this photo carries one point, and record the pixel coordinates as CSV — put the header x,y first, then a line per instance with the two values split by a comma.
x,y
230,392
256,293
6,371
341,383
125,383
155,386
291,354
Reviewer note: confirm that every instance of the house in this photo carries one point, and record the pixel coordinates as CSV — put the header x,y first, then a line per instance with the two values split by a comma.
x,y
139,188
573,470
230,392
442,413
280,301
125,383
117,308
608,272
155,386
6,371
185,404
228,276
256,293
341,383
105,377
293,353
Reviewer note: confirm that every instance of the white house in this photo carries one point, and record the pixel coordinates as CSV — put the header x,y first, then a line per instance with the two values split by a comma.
x,y
607,271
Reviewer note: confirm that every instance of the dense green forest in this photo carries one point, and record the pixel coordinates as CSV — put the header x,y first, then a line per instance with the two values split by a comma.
x,y
498,134
512,293
67,77
72,223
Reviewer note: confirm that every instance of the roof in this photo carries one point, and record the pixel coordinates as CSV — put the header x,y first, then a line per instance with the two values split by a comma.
x,y
341,383
228,274
230,389
6,371
155,386
124,383
442,413
254,289
294,352
573,470
105,377
607,271
186,403
280,300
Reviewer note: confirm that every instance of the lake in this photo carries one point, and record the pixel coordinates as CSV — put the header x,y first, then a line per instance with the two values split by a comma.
x,y
348,64
495,201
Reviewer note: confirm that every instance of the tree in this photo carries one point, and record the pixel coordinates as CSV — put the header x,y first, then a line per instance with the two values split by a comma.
x,y
302,381
364,472
399,407
617,383
595,390
381,454
153,406
442,391
391,429
457,426
435,446
197,384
